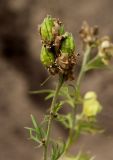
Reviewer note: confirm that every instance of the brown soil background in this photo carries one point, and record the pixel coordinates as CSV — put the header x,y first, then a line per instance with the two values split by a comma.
x,y
21,71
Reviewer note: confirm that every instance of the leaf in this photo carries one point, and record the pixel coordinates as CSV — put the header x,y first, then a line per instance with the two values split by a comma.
x,y
45,120
36,133
64,91
32,136
67,95
70,102
71,95
66,120
83,156
50,95
58,106
57,150
95,63
34,121
41,91
45,80
80,156
86,125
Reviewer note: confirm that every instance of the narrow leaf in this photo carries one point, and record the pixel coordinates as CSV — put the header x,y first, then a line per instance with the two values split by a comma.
x,y
34,121
95,63
41,91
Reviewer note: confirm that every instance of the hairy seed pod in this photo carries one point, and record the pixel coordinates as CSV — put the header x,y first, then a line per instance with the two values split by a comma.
x,y
46,29
46,57
68,44
50,29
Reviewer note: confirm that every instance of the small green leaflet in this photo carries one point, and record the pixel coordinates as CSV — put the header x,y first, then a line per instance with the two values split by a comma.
x,y
57,150
36,133
95,63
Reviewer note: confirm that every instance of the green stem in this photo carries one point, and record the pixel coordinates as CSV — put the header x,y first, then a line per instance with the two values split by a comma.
x,y
81,74
71,133
61,80
85,59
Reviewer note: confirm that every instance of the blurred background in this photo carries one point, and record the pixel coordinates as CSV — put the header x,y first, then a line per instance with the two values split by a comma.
x,y
21,71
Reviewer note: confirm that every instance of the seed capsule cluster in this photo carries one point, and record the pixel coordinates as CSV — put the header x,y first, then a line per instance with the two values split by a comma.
x,y
58,48
88,34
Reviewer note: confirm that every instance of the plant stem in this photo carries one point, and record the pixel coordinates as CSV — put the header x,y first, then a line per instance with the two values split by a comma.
x,y
85,59
81,74
70,137
60,82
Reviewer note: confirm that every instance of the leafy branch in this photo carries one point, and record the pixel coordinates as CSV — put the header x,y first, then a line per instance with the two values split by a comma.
x,y
59,57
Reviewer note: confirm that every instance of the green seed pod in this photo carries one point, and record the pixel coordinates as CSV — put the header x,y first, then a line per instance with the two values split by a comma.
x,y
46,29
68,44
46,57
50,28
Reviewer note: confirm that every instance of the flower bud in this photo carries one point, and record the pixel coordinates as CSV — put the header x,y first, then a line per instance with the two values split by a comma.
x,y
46,29
47,57
91,106
105,50
90,95
68,45
88,34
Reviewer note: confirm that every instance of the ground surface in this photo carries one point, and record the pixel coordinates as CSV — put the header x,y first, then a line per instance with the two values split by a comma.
x,y
21,71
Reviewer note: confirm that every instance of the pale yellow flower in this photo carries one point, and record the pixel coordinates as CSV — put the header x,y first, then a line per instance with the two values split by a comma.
x,y
91,106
